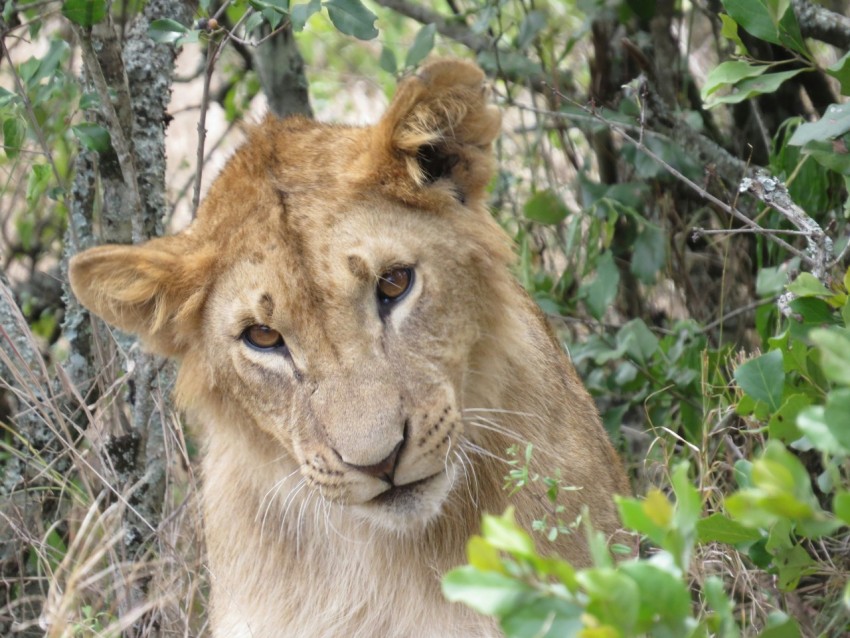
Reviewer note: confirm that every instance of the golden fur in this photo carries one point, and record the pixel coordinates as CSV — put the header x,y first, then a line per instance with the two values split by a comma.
x,y
294,235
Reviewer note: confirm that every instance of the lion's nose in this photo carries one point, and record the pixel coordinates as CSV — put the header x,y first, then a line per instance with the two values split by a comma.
x,y
384,469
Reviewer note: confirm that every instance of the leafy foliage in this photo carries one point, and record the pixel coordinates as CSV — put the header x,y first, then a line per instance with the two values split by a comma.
x,y
719,357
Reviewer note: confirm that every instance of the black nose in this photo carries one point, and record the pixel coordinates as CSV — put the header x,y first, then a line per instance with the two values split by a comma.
x,y
382,469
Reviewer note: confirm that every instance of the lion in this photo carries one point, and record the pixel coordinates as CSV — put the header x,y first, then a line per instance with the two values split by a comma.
x,y
358,357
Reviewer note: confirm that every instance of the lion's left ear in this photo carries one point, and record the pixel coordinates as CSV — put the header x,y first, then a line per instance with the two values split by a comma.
x,y
441,126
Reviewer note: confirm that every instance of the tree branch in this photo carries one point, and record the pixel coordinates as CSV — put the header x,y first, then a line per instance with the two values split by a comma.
x,y
452,29
822,24
458,31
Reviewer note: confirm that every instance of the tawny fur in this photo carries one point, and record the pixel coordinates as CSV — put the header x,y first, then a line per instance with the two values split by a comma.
x,y
294,234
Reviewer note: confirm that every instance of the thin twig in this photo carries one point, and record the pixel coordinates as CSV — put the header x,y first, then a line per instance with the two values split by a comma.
x,y
738,311
699,232
213,51
202,126
621,130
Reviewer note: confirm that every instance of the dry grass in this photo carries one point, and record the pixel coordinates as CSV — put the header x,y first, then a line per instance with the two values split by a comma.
x,y
68,566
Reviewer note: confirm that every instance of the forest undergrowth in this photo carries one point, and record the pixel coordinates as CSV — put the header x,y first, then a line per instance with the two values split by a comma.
x,y
675,176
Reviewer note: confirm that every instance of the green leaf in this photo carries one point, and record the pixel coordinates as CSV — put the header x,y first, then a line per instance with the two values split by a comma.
x,y
422,45
834,347
92,136
781,626
750,87
7,97
770,20
789,33
827,426
352,18
771,281
543,618
614,597
387,61
166,31
503,533
724,620
649,253
651,516
841,506
834,123
729,30
730,73
273,15
532,24
300,13
272,10
763,378
792,565
807,285
84,12
254,21
841,72
600,292
487,593
756,17
665,599
783,422
509,62
483,556
722,529
828,155
37,182
812,422
637,340
781,492
89,100
13,136
35,70
545,207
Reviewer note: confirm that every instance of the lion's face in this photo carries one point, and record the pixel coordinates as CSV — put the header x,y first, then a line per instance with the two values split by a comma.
x,y
351,351
331,292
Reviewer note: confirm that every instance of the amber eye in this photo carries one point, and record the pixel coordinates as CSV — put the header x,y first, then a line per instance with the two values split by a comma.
x,y
393,284
262,337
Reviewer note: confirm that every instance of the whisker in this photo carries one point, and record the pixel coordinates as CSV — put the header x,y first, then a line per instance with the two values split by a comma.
x,y
290,499
274,488
272,493
468,468
529,415
300,522
469,446
486,424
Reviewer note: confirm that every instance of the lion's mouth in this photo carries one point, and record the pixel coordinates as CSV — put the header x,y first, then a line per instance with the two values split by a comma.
x,y
405,494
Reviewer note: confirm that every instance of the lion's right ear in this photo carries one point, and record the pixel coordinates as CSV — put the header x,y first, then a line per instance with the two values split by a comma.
x,y
156,290
441,125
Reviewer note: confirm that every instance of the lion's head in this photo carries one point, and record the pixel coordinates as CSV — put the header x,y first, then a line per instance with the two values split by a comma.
x,y
333,292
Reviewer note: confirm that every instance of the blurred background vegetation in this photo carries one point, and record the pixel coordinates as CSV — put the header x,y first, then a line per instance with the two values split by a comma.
x,y
675,175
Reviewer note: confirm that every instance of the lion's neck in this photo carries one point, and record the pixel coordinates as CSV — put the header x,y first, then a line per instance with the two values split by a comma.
x,y
275,547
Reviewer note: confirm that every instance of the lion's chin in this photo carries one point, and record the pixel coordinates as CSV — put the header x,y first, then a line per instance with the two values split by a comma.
x,y
407,508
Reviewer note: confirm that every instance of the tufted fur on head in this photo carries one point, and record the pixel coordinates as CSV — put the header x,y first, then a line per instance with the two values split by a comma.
x,y
355,429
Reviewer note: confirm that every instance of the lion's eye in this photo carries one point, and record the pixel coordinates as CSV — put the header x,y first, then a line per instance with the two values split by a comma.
x,y
393,284
262,337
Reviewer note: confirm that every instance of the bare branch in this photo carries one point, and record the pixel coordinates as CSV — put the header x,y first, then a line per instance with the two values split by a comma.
x,y
452,29
774,193
822,24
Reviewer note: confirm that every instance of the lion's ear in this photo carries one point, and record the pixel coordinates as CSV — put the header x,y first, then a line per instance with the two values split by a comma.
x,y
442,125
156,290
